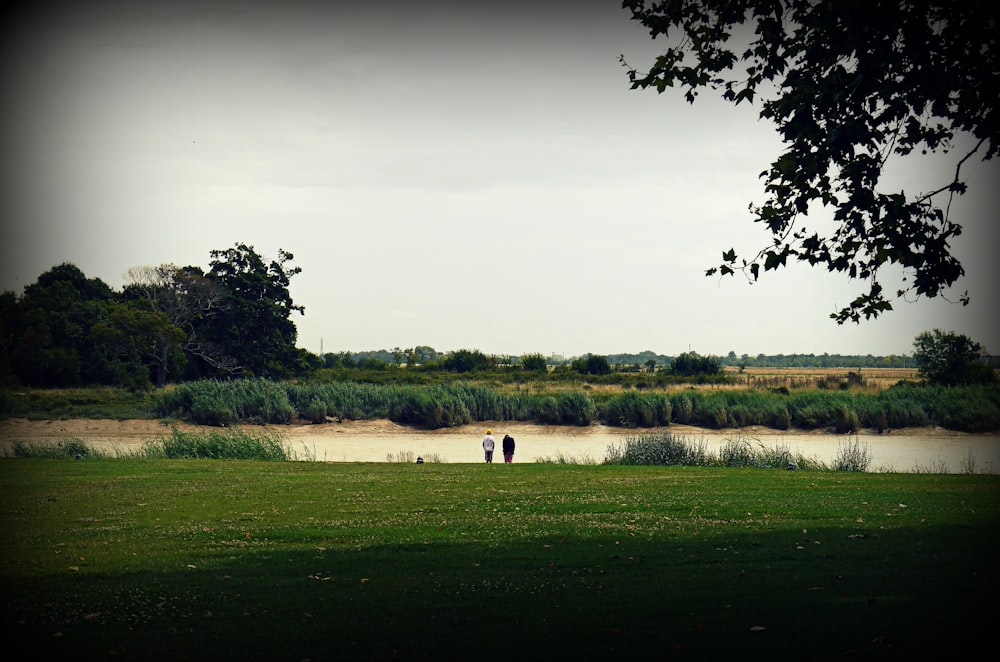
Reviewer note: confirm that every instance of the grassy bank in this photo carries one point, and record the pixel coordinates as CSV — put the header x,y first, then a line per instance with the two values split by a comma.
x,y
652,448
235,560
966,408
224,403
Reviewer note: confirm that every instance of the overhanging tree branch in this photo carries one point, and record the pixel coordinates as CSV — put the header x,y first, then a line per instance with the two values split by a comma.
x,y
850,86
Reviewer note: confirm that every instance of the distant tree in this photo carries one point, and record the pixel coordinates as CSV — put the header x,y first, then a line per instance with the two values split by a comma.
x,y
465,360
950,358
592,364
849,84
690,364
339,360
533,363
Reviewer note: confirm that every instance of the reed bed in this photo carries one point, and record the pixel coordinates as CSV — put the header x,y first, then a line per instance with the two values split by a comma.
x,y
663,448
965,408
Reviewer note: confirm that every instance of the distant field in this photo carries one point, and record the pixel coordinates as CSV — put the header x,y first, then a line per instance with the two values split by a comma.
x,y
811,377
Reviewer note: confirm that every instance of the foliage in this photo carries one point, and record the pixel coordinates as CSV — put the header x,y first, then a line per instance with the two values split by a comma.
x,y
592,364
534,362
46,331
848,84
465,360
659,448
254,325
91,402
134,335
852,456
691,363
234,444
972,408
66,448
576,408
950,358
635,409
212,402
185,297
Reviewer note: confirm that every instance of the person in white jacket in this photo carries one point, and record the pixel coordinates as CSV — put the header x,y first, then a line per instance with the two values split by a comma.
x,y
489,443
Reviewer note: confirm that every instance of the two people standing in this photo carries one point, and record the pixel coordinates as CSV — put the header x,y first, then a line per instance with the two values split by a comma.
x,y
489,443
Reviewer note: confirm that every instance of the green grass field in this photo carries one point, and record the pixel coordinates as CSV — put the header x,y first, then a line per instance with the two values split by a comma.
x,y
239,560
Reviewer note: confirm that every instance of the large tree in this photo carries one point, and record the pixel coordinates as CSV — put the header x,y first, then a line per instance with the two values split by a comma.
x,y
945,357
184,296
46,330
253,324
850,85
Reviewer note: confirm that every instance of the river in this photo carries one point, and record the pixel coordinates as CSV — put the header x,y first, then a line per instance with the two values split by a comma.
x,y
907,450
900,452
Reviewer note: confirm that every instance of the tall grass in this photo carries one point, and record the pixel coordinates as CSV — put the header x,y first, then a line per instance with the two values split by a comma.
x,y
213,402
62,449
663,448
853,455
969,408
226,444
658,448
233,444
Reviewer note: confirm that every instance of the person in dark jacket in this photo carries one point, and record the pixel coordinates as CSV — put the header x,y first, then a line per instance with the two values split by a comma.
x,y
508,449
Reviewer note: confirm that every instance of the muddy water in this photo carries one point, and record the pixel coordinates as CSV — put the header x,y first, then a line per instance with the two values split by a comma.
x,y
899,452
925,449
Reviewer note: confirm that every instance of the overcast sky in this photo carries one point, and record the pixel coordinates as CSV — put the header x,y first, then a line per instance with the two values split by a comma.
x,y
462,175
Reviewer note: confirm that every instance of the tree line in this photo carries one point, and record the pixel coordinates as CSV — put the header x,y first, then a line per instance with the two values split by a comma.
x,y
178,324
168,323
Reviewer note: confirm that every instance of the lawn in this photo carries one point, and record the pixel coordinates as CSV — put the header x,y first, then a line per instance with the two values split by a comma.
x,y
239,560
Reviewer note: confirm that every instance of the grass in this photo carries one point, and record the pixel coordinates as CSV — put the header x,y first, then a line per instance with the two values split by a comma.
x,y
237,560
844,410
85,402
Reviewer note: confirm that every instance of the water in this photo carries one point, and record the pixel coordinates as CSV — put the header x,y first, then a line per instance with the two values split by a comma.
x,y
898,452
925,450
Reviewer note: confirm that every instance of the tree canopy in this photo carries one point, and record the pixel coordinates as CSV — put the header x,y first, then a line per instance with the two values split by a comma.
x,y
70,330
948,358
254,325
850,85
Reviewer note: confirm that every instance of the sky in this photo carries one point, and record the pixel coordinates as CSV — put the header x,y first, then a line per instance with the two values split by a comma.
x,y
458,175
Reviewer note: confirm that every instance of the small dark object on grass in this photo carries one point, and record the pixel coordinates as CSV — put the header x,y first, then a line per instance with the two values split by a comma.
x,y
420,460
791,466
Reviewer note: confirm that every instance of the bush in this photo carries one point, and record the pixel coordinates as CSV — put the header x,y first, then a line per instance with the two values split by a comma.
x,y
852,456
235,444
658,448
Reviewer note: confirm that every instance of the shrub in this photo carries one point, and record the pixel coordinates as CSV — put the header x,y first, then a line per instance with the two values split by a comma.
x,y
852,456
234,444
658,448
